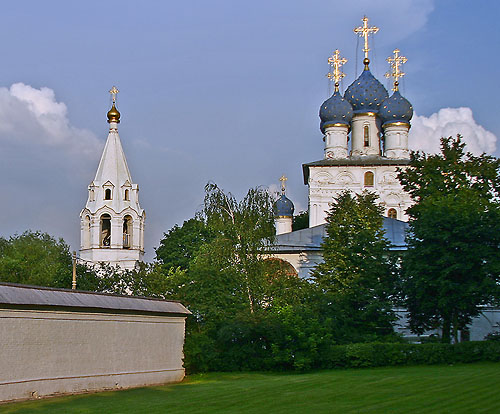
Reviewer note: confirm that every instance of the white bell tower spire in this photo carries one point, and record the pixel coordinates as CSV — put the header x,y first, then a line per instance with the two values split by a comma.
x,y
112,222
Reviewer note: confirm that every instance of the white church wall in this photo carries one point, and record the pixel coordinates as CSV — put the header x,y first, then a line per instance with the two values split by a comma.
x,y
327,182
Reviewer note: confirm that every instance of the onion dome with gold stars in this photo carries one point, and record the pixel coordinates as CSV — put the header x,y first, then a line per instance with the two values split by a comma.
x,y
366,93
396,108
335,110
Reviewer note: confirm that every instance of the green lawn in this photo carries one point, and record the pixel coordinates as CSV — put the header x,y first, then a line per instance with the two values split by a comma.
x,y
472,388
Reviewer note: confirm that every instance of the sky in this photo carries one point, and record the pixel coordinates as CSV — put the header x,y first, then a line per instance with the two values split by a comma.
x,y
225,91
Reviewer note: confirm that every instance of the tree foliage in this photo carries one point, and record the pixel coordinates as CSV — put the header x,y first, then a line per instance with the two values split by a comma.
x,y
356,276
452,265
180,245
35,258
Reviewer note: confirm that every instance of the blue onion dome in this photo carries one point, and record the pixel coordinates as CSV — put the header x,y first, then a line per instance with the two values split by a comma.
x,y
396,109
366,93
335,110
283,207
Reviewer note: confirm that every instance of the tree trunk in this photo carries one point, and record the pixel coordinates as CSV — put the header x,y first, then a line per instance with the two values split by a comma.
x,y
445,335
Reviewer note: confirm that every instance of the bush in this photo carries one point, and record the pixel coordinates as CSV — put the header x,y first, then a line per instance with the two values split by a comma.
x,y
390,354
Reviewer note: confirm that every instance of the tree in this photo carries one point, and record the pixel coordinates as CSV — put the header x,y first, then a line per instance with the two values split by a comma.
x,y
180,245
300,221
452,265
242,230
35,258
356,276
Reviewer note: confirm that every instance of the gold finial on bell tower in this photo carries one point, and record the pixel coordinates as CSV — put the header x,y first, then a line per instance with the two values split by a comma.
x,y
113,114
335,61
396,62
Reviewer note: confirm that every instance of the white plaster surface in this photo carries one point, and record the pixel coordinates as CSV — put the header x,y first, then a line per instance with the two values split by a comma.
x,y
53,352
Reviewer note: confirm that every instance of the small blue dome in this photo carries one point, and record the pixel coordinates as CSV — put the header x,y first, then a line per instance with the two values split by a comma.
x,y
335,110
366,93
283,207
396,109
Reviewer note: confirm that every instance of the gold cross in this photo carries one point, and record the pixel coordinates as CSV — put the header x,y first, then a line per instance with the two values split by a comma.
x,y
364,31
113,91
336,62
283,179
396,62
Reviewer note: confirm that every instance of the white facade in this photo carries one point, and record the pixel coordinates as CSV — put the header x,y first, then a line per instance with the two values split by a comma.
x,y
112,222
368,165
283,224
328,181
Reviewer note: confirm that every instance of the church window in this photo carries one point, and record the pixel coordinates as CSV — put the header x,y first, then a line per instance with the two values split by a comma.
x,y
92,195
126,196
392,213
366,135
105,240
127,232
107,194
369,179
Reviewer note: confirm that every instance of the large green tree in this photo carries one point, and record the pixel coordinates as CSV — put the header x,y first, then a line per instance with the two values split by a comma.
x,y
35,258
356,276
452,265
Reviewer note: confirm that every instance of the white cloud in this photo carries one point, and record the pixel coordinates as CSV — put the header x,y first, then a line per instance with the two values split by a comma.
x,y
33,116
425,132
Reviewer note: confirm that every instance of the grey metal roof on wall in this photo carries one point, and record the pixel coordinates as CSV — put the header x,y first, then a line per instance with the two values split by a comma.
x,y
26,296
310,239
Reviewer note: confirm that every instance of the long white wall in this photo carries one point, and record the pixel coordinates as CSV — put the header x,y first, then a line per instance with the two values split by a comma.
x,y
53,352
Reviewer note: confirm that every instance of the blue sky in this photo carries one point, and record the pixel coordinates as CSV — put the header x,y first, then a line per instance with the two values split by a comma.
x,y
227,91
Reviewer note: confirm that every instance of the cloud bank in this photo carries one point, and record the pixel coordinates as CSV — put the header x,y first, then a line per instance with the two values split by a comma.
x,y
426,132
30,116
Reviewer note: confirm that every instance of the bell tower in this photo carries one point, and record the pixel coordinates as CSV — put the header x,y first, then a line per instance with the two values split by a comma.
x,y
112,222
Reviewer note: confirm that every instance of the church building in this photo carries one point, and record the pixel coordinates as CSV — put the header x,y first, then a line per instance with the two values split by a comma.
x,y
112,222
365,134
366,139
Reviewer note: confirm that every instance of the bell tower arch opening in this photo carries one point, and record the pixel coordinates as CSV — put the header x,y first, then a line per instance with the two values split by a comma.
x,y
127,232
105,239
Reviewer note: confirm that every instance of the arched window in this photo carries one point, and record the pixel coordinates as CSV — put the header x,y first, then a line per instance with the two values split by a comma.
x,y
126,196
92,195
105,239
392,213
127,232
366,135
369,179
107,194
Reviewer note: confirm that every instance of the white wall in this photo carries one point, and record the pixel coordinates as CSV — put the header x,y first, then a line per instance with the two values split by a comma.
x,y
49,352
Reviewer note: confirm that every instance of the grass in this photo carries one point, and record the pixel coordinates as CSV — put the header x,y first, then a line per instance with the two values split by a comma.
x,y
471,388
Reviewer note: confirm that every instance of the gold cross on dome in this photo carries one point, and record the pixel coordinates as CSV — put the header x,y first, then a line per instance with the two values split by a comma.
x,y
283,179
365,31
113,91
396,62
335,61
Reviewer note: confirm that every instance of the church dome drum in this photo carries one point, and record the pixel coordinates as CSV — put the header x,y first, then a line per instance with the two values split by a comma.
x,y
335,110
396,109
283,207
366,93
